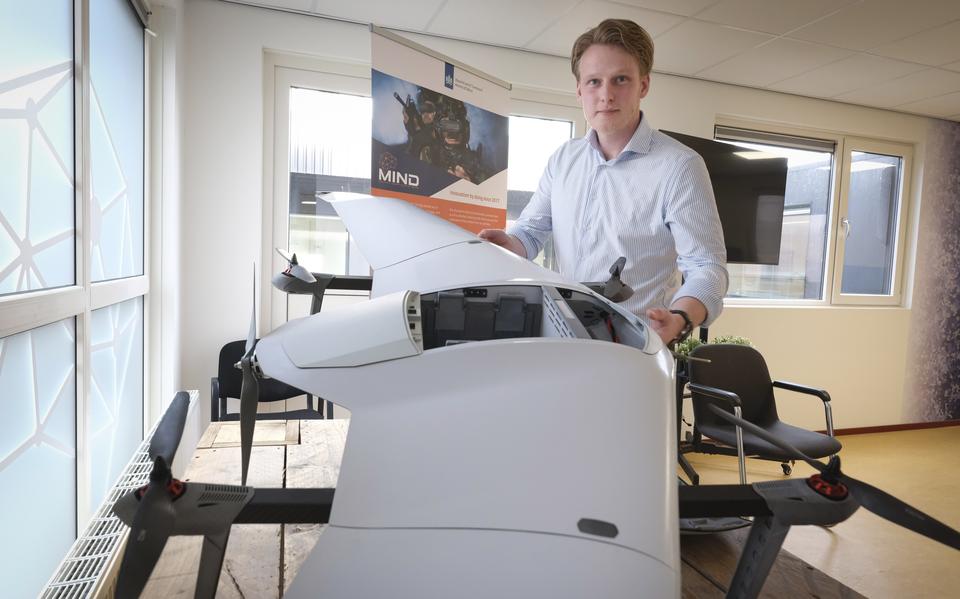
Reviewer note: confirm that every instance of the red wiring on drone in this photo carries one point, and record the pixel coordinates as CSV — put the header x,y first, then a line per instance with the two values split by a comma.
x,y
613,334
829,490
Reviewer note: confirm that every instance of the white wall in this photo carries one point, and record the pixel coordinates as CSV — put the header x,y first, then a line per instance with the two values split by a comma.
x,y
165,99
856,353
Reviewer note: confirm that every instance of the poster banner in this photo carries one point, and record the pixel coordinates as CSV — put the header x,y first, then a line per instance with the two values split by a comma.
x,y
439,134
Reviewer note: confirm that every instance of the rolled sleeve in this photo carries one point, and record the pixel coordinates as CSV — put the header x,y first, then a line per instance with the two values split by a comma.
x,y
695,224
531,238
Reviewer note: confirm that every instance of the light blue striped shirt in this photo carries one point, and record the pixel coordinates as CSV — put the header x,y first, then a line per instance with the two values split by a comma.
x,y
653,203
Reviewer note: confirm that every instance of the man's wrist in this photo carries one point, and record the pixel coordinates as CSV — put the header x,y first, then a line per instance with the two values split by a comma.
x,y
686,329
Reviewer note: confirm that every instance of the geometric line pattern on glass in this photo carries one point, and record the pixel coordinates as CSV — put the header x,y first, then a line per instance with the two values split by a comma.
x,y
116,140
37,454
110,202
115,404
37,178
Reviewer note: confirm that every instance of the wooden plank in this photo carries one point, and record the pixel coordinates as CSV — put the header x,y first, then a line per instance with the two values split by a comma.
x,y
209,435
313,463
714,557
694,585
252,561
293,432
267,432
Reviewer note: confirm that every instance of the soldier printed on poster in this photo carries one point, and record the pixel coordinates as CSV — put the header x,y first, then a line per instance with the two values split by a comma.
x,y
435,129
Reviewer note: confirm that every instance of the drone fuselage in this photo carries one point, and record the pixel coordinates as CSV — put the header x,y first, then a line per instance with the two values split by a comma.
x,y
533,465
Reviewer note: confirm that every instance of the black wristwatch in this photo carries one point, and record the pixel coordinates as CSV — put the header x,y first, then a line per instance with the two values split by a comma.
x,y
687,327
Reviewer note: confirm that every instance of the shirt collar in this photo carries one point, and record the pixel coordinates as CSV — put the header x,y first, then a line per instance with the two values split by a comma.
x,y
639,142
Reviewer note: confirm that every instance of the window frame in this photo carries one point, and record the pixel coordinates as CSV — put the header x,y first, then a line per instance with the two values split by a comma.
x,y
28,310
281,73
844,145
873,146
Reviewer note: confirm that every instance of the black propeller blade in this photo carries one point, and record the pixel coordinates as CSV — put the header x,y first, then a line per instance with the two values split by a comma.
x,y
166,437
148,535
879,502
249,391
154,517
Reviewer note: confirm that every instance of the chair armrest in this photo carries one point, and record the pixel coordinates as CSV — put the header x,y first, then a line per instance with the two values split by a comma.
x,y
214,398
727,396
821,393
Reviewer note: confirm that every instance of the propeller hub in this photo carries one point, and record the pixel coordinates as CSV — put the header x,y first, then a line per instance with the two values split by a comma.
x,y
836,491
175,488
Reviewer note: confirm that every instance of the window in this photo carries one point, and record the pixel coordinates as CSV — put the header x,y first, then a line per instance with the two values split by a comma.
x,y
72,276
870,222
38,461
829,189
532,142
329,151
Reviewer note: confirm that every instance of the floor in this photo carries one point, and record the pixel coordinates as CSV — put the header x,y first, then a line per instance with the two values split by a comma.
x,y
866,553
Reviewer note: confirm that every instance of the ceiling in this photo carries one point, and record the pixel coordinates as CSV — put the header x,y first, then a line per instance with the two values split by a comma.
x,y
894,54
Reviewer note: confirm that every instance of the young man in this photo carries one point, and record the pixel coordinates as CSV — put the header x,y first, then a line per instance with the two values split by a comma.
x,y
627,190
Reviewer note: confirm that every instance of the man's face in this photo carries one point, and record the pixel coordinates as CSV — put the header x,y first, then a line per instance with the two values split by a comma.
x,y
610,88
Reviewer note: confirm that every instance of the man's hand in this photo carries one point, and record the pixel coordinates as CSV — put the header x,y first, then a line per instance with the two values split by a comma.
x,y
667,325
504,240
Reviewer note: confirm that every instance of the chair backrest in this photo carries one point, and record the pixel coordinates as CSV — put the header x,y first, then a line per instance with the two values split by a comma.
x,y
231,378
737,368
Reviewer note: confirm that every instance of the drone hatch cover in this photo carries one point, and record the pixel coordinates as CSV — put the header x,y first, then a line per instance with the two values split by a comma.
x,y
389,230
412,249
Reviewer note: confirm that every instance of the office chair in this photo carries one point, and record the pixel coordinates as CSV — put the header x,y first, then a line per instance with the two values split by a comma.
x,y
229,380
737,379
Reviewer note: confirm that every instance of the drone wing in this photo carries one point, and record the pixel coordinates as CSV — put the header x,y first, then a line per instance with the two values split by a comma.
x,y
411,249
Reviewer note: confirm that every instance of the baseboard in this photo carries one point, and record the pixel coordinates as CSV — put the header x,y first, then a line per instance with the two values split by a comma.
x,y
893,427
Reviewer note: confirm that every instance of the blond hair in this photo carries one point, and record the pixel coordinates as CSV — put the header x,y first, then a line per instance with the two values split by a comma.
x,y
616,32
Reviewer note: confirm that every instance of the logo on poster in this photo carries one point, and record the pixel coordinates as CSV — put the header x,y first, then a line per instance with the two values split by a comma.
x,y
399,178
387,172
448,75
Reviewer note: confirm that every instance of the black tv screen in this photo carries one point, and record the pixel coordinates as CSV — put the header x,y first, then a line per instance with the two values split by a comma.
x,y
749,189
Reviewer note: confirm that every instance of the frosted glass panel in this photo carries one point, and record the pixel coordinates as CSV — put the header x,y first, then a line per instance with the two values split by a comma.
x,y
116,140
115,412
37,455
37,145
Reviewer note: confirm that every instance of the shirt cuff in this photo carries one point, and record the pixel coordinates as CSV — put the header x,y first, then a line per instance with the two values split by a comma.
x,y
528,241
709,293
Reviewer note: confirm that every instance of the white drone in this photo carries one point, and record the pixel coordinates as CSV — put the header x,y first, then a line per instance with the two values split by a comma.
x,y
512,434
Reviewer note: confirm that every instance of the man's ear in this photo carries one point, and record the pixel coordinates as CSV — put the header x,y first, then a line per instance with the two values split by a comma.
x,y
644,86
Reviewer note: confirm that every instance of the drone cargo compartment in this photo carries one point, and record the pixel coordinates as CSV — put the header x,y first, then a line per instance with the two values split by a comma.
x,y
480,314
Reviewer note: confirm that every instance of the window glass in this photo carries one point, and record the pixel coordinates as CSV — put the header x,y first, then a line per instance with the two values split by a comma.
x,y
329,151
532,142
115,403
37,455
116,140
803,242
37,202
870,226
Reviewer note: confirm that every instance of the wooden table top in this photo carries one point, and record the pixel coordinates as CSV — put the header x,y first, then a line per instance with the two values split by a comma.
x,y
262,559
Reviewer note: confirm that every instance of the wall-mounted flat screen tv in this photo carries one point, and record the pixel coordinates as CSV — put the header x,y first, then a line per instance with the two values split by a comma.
x,y
749,186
